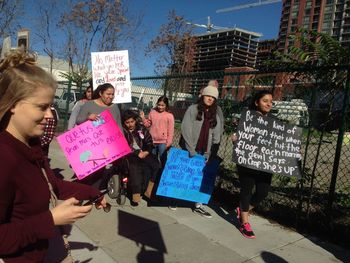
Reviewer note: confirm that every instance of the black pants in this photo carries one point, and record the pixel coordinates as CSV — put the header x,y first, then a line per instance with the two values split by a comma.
x,y
249,178
141,171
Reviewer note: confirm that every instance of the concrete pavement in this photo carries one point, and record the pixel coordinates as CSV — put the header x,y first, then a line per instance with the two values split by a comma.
x,y
157,234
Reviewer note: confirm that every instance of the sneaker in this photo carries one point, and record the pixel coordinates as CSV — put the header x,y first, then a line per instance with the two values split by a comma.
x,y
172,207
247,231
238,214
201,211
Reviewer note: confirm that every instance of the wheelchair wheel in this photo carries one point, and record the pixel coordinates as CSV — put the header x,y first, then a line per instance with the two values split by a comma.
x,y
121,199
114,186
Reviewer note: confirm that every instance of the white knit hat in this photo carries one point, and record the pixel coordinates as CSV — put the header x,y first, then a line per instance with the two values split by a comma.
x,y
211,91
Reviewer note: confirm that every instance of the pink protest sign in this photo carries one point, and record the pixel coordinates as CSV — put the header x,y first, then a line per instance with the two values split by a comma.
x,y
93,144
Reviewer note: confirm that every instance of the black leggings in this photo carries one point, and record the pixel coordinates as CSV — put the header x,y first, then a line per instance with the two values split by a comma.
x,y
248,178
141,171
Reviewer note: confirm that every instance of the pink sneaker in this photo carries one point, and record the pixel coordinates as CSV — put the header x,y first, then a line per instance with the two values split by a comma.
x,y
247,231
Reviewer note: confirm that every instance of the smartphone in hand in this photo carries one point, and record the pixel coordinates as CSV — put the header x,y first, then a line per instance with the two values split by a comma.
x,y
96,198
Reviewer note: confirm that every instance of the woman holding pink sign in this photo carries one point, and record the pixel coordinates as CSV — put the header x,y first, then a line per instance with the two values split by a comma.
x,y
27,184
91,109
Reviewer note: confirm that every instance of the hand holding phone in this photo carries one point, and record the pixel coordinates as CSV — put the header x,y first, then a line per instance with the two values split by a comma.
x,y
96,198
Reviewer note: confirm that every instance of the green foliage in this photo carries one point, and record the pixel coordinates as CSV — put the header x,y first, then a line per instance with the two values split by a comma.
x,y
311,49
343,197
261,81
231,110
77,77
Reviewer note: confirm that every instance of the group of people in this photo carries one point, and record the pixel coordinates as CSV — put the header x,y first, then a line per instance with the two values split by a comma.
x,y
28,218
202,129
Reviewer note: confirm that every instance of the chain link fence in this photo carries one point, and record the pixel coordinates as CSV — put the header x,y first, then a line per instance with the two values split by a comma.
x,y
315,99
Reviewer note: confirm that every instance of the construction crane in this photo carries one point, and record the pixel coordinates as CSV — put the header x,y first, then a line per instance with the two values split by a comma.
x,y
238,7
209,26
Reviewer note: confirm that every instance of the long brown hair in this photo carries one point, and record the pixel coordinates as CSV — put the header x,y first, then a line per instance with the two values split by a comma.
x,y
211,111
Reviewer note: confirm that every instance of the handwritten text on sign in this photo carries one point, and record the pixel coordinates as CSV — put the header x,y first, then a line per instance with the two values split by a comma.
x,y
112,67
93,144
267,144
187,178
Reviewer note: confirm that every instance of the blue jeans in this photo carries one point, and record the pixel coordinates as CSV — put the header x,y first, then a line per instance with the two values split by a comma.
x,y
160,151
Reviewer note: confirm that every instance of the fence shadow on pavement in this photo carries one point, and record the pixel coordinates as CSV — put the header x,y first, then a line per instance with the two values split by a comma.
x,y
340,252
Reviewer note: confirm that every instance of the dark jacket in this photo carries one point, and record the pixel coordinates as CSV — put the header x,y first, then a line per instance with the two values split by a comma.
x,y
26,222
142,137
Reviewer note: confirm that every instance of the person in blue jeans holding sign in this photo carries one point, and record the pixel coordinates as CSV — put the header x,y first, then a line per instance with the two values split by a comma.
x,y
201,132
248,178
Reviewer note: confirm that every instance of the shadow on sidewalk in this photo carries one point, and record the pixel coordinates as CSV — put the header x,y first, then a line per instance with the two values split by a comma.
x,y
145,233
57,251
271,258
229,216
341,253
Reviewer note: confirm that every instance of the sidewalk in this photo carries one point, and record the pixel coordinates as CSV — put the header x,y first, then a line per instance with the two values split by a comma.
x,y
157,234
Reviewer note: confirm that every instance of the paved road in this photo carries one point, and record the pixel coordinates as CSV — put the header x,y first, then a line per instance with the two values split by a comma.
x,y
156,234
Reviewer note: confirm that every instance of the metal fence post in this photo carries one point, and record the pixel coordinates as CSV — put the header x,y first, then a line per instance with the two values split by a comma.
x,y
65,123
237,85
331,193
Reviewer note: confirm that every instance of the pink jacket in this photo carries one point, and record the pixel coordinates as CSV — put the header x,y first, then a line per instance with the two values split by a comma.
x,y
161,125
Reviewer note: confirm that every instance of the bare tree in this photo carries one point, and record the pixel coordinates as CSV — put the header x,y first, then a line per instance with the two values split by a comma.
x,y
10,11
47,28
174,46
92,24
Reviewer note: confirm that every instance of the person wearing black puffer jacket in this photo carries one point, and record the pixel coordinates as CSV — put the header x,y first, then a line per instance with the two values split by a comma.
x,y
141,144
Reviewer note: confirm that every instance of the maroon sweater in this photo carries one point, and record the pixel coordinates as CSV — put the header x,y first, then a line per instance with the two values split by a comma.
x,y
26,222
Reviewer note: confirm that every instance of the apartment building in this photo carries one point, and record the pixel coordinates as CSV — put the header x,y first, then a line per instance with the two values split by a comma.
x,y
327,16
218,50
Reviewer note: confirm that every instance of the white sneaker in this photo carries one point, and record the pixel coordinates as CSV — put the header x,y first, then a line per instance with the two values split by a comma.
x,y
201,211
172,207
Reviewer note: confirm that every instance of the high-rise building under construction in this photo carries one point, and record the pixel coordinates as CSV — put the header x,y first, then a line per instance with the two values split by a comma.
x,y
218,50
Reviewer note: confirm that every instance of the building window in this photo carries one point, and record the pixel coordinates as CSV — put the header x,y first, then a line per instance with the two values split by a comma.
x,y
327,16
328,9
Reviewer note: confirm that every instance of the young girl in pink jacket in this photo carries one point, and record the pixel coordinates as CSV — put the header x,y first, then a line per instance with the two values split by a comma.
x,y
161,126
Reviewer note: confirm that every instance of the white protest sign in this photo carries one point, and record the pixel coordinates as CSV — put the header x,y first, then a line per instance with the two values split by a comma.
x,y
112,67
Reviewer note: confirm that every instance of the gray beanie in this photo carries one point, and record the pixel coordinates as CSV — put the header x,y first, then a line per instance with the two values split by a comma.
x,y
211,91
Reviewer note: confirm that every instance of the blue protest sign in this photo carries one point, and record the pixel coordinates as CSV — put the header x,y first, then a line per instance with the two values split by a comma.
x,y
188,178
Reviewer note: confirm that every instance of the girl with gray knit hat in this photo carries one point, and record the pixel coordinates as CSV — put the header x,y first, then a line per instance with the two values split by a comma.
x,y
201,131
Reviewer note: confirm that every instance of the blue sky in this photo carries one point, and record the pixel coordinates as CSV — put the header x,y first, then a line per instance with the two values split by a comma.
x,y
263,19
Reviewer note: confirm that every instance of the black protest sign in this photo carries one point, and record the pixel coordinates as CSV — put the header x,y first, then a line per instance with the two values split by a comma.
x,y
266,144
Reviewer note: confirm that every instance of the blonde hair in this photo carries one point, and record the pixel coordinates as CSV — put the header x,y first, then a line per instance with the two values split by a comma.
x,y
20,77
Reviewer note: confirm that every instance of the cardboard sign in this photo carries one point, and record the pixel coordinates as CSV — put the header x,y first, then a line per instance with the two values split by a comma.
x,y
267,144
112,67
93,144
188,178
